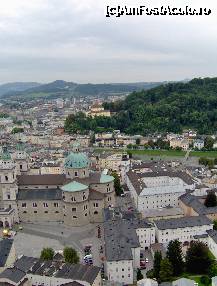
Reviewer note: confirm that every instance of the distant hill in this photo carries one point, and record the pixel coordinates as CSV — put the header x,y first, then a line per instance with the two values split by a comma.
x,y
65,89
167,108
17,87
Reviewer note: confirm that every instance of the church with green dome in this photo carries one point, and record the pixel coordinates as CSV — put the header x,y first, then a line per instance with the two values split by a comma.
x,y
76,197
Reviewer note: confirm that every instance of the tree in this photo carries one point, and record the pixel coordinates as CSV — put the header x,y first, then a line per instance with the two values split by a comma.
x,y
17,130
174,254
213,270
157,262
197,258
70,255
138,140
139,275
166,270
205,280
211,200
47,253
208,143
117,184
215,224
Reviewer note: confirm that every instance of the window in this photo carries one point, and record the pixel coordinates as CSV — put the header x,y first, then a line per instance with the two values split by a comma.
x,y
45,205
35,212
56,205
6,178
23,205
34,205
25,212
96,205
96,212
56,212
8,196
85,214
74,216
84,173
73,199
85,207
76,174
21,167
46,212
73,209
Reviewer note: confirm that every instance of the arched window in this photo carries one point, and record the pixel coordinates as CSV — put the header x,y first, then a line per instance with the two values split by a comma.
x,y
96,212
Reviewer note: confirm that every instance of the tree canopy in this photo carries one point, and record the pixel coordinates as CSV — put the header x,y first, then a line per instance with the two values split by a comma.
x,y
211,200
197,258
47,253
167,108
70,255
174,254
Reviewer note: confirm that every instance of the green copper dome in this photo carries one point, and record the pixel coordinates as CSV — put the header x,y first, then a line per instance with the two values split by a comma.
x,y
77,161
74,187
5,156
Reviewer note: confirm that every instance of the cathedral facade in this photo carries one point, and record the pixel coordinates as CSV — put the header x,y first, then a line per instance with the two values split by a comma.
x,y
75,198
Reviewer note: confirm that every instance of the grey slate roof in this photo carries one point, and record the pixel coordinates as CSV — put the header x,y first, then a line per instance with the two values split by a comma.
x,y
5,248
25,263
182,222
13,274
68,271
213,234
119,237
34,194
48,179
197,205
78,272
156,170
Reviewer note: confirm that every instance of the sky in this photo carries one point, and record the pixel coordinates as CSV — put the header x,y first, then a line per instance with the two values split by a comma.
x,y
45,40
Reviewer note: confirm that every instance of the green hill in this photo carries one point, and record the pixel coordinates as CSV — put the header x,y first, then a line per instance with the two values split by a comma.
x,y
169,107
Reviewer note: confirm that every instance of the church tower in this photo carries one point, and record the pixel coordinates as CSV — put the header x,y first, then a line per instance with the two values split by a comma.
x,y
21,159
8,182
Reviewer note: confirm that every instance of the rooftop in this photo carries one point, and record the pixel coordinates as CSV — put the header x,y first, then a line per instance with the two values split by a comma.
x,y
5,249
182,222
35,194
74,187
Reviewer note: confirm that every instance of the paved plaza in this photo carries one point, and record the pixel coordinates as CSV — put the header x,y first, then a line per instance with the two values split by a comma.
x,y
33,237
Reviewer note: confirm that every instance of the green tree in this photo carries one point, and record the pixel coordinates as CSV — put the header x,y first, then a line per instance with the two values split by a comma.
x,y
208,143
215,224
139,275
213,270
197,258
138,140
17,130
205,280
174,254
211,200
47,253
71,255
117,184
157,262
166,270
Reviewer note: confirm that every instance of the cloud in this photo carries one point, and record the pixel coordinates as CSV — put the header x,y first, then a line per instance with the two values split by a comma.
x,y
73,40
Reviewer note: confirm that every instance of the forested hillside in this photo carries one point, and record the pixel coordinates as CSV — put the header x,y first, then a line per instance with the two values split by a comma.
x,y
171,107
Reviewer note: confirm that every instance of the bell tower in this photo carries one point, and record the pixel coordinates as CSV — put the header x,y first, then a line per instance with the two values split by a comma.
x,y
8,182
21,159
